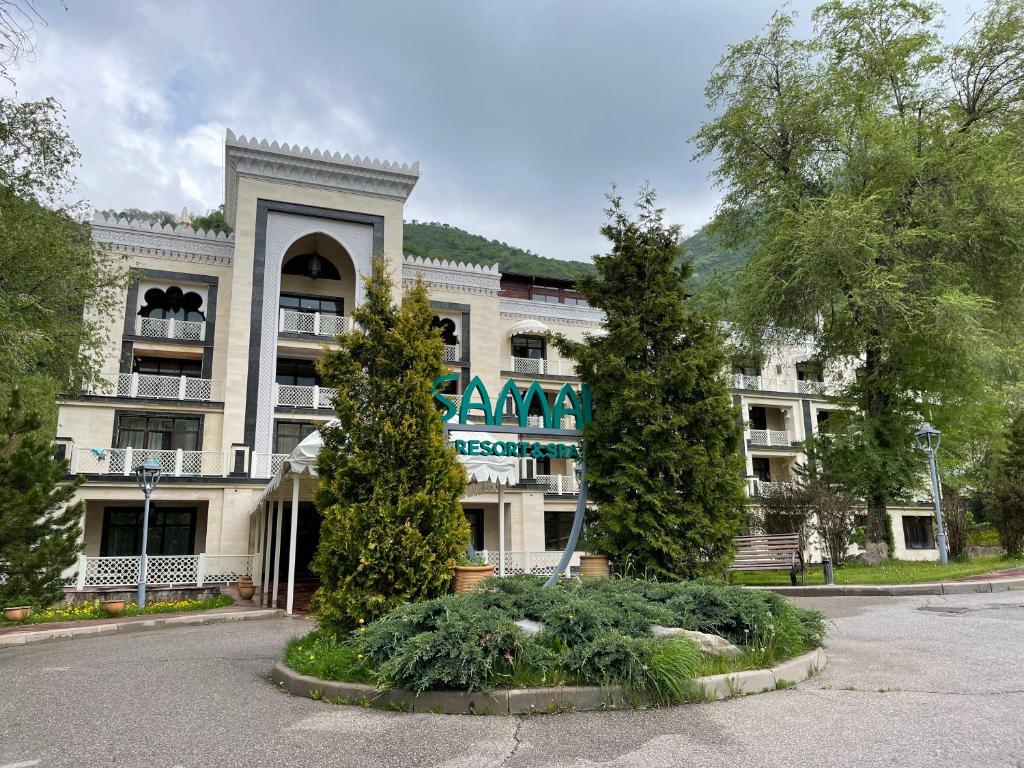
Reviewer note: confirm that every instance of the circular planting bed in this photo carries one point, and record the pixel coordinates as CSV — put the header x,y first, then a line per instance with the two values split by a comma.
x,y
515,646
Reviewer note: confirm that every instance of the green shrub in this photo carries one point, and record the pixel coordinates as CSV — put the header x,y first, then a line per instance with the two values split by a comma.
x,y
595,633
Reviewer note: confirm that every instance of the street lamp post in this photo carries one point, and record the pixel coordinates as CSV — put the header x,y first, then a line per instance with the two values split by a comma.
x,y
148,475
928,438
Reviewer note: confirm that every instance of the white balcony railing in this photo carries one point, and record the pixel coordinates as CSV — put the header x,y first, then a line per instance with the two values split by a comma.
x,y
769,437
162,569
773,384
452,353
173,463
185,330
160,387
266,464
560,484
314,323
539,366
536,420
758,487
539,562
296,396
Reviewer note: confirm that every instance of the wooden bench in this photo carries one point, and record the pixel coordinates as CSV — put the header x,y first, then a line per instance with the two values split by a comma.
x,y
780,552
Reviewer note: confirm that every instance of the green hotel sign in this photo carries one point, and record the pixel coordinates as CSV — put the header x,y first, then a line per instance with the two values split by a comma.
x,y
477,403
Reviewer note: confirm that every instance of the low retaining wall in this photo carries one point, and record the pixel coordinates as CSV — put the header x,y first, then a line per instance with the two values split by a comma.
x,y
526,701
900,590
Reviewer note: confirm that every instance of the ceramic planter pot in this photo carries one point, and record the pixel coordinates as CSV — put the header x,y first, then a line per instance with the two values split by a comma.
x,y
17,612
467,577
594,567
112,607
246,589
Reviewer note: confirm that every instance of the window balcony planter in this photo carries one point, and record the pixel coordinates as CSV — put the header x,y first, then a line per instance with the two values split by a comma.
x,y
182,330
313,323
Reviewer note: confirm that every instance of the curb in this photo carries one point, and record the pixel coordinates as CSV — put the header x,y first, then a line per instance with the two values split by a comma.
x,y
900,590
128,627
529,701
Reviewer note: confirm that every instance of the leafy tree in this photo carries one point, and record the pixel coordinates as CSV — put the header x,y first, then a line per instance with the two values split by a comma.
x,y
390,484
163,218
39,526
661,450
875,173
213,221
1004,500
49,269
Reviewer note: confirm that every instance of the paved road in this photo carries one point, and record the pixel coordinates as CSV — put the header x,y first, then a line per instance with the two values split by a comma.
x,y
904,687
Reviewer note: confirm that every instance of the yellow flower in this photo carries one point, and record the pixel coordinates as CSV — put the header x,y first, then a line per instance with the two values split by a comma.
x,y
361,621
359,655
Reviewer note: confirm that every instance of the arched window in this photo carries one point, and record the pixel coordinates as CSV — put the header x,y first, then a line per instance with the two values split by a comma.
x,y
172,303
447,326
311,265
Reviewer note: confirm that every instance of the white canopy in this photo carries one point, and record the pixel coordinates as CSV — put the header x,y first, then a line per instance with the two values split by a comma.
x,y
503,470
301,461
532,327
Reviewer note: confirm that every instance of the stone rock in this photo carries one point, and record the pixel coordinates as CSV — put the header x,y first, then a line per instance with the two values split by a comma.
x,y
714,645
529,627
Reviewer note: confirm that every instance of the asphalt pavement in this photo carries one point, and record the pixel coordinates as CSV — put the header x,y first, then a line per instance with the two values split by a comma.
x,y
916,681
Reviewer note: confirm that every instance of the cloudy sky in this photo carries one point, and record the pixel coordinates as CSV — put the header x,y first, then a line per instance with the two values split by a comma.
x,y
521,113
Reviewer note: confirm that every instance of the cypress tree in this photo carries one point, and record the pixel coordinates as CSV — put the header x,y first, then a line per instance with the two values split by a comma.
x,y
389,483
1004,500
39,527
661,451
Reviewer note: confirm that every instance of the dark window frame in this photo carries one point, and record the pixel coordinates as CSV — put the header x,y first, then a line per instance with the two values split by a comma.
x,y
296,379
475,520
924,535
302,299
278,423
157,541
121,430
557,525
167,366
529,343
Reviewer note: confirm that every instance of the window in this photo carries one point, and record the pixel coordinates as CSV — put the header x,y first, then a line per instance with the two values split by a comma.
x,y
475,518
578,301
548,295
543,466
917,532
300,373
171,531
762,469
809,371
528,346
447,326
322,304
172,303
557,526
758,417
166,366
746,370
288,434
158,433
311,265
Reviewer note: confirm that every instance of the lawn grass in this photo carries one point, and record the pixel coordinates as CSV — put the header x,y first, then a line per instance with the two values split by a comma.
x,y
85,611
888,572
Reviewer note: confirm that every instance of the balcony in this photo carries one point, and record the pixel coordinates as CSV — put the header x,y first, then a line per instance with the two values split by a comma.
x,y
539,366
144,385
167,570
769,438
173,463
314,323
266,465
756,487
560,485
182,330
453,353
772,384
297,396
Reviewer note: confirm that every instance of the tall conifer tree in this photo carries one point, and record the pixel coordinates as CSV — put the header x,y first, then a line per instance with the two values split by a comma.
x,y
389,483
661,450
39,526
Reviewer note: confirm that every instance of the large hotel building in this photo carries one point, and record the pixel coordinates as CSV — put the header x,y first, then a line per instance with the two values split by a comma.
x,y
211,371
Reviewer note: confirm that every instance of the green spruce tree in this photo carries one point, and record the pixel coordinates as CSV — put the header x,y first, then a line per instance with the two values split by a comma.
x,y
661,451
39,526
1004,500
389,483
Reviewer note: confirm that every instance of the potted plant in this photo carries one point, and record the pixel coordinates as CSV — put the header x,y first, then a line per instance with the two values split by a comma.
x,y
17,612
470,570
113,607
592,565
246,589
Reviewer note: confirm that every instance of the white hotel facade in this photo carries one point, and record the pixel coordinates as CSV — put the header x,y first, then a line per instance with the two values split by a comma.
x,y
211,371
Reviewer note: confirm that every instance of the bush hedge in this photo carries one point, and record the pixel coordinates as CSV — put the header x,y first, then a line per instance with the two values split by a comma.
x,y
595,633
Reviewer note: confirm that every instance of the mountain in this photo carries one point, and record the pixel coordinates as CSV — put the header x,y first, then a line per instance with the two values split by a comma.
x,y
711,258
434,240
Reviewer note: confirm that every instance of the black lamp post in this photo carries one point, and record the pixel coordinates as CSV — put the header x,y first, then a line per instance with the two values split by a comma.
x,y
928,439
148,475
